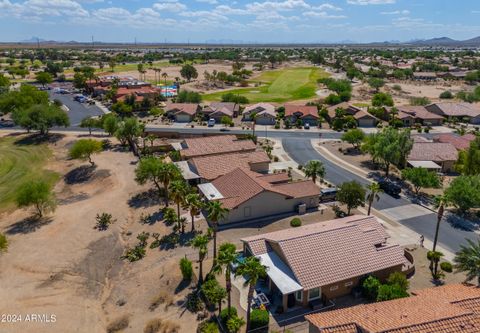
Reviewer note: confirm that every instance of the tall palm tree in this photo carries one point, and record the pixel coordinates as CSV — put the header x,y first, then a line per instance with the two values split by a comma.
x,y
165,75
434,257
178,192
467,259
195,205
216,212
140,70
314,169
168,173
253,117
252,270
373,194
227,256
440,203
200,242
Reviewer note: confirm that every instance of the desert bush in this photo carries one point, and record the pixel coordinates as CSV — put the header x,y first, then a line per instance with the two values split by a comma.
x,y
186,268
446,267
193,302
103,221
208,327
163,297
295,222
118,325
163,326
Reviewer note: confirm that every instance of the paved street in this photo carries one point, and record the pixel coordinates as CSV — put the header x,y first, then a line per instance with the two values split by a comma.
x,y
417,218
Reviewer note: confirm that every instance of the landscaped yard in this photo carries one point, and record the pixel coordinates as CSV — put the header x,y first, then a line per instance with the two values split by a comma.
x,y
19,163
279,86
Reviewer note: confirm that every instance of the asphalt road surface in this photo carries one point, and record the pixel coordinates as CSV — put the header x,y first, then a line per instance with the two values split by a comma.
x,y
417,218
77,111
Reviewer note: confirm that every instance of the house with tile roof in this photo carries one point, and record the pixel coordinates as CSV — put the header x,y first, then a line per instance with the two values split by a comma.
x,y
460,142
251,196
453,308
454,110
221,109
444,155
315,263
363,118
182,112
411,115
214,145
308,114
265,113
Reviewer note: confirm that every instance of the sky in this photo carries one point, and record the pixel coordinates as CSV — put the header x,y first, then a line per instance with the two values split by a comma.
x,y
257,21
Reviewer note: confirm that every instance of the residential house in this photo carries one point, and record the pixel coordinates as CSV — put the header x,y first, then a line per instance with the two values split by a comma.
x,y
363,118
214,145
208,168
308,114
411,115
265,113
252,196
460,142
453,110
182,112
453,308
221,109
140,93
443,154
425,76
313,264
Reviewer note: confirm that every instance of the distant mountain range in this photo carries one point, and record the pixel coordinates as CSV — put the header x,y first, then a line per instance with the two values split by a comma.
x,y
440,41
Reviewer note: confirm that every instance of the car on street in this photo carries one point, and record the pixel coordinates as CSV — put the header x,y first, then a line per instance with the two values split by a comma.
x,y
306,126
390,188
211,122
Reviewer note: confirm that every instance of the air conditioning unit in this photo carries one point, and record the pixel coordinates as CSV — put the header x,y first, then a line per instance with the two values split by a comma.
x,y
302,209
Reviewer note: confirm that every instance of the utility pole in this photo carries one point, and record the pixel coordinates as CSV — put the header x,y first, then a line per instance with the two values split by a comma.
x,y
38,43
135,41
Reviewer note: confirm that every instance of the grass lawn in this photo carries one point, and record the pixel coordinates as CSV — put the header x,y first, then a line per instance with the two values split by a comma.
x,y
279,86
20,163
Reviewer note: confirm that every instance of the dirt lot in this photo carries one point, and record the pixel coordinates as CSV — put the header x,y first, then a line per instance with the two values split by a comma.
x,y
62,266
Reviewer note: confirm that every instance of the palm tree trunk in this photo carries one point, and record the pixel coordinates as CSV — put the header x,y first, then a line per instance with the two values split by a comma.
x,y
165,186
437,228
200,271
249,305
369,206
214,241
193,222
229,290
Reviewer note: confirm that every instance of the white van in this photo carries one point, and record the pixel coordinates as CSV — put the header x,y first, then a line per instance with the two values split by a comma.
x,y
211,122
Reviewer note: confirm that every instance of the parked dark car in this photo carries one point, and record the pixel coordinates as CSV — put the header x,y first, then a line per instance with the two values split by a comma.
x,y
328,194
390,188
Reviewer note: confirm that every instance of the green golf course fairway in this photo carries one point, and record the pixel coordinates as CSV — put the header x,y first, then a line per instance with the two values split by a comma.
x,y
282,85
20,163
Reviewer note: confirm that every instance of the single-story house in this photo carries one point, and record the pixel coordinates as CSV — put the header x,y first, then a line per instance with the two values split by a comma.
x,y
443,154
460,142
456,110
425,76
313,264
182,112
363,118
221,109
265,113
252,196
410,115
308,114
453,308
214,145
210,167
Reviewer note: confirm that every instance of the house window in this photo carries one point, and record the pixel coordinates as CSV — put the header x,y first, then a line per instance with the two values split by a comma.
x,y
334,288
349,283
299,295
314,293
247,211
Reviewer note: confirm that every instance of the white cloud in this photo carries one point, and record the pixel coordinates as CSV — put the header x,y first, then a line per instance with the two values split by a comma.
x,y
322,15
370,2
169,6
396,12
211,2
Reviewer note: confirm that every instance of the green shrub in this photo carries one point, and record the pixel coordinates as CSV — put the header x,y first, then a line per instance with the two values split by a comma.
x,y
259,318
370,287
186,268
446,266
208,327
419,101
295,222
213,292
234,324
224,313
193,302
446,95
387,292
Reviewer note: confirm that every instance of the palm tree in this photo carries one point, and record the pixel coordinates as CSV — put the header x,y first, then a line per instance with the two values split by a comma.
x,y
467,259
195,205
140,70
165,75
374,189
440,203
168,173
434,257
314,169
178,191
252,270
200,242
253,117
216,212
227,256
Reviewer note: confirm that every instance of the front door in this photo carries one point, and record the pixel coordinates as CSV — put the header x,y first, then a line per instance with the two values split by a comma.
x,y
291,300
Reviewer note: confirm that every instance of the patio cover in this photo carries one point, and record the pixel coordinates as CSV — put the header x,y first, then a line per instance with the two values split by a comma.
x,y
210,191
425,164
187,172
280,273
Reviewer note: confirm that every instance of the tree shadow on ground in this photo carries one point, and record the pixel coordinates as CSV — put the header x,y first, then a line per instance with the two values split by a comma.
x,y
37,139
462,223
144,199
85,173
74,198
28,225
182,285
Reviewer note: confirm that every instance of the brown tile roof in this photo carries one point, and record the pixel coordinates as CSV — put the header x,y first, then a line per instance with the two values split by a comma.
x,y
445,309
219,144
231,107
433,151
350,109
453,109
459,142
363,114
213,166
305,110
188,108
241,185
260,108
327,252
418,112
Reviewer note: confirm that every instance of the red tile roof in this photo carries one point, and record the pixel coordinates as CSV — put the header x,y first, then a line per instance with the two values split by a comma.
x,y
188,108
417,112
459,142
433,151
328,252
213,166
453,109
241,185
305,110
219,144
446,309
